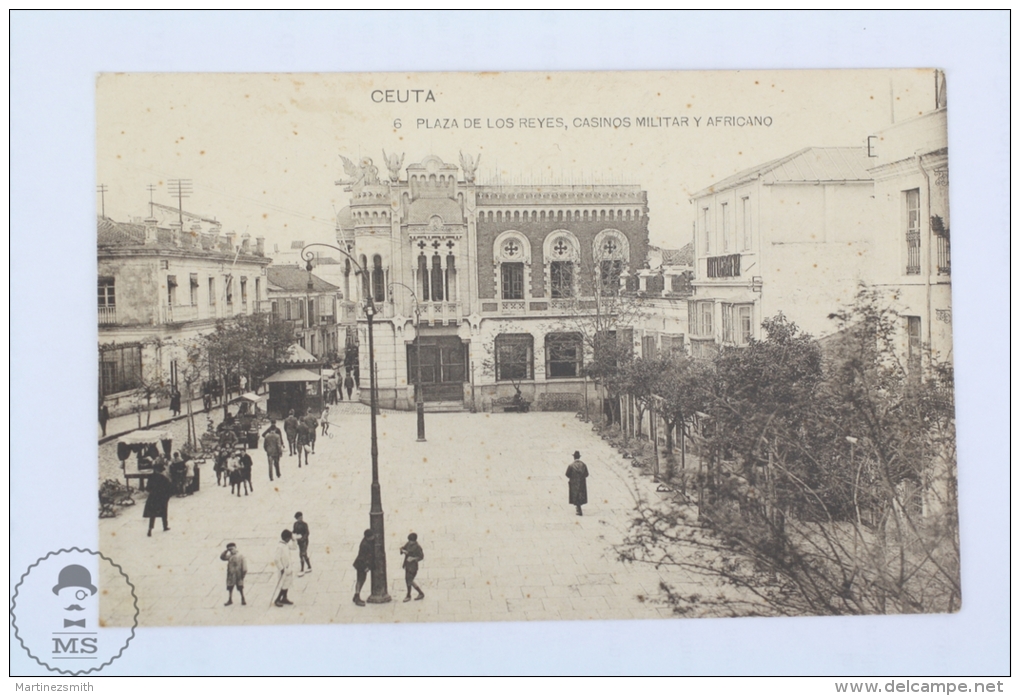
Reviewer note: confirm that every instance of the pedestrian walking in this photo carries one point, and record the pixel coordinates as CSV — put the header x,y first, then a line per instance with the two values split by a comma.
x,y
302,443
284,568
577,473
413,555
324,419
301,535
349,386
104,417
273,445
363,564
237,568
160,489
236,474
312,423
290,426
246,467
175,402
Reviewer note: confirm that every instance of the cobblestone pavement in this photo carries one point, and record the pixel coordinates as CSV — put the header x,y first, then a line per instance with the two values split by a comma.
x,y
486,494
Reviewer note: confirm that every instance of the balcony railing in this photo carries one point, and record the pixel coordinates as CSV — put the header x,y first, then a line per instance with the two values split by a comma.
x,y
942,252
175,314
107,316
724,266
440,312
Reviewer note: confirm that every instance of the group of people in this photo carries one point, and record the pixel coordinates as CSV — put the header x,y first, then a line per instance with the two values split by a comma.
x,y
334,388
237,565
301,437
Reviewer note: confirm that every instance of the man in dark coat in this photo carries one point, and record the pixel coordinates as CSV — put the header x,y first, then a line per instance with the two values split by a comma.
x,y
301,535
364,563
349,386
160,489
290,426
577,473
104,417
273,446
175,402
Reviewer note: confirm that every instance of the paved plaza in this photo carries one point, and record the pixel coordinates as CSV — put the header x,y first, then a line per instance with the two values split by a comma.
x,y
486,494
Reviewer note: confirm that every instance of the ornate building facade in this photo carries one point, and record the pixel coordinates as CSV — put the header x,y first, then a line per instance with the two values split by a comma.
x,y
492,275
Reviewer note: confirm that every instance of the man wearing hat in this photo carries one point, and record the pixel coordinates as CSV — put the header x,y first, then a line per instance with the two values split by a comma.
x,y
577,473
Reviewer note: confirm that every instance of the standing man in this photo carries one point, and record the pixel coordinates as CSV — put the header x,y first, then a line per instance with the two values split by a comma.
x,y
104,417
364,563
284,568
273,445
312,423
413,555
577,472
237,568
160,489
349,386
290,426
302,442
175,402
301,534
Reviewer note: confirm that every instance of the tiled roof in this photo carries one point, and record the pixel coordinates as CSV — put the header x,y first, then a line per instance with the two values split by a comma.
x,y
679,257
111,233
295,279
812,164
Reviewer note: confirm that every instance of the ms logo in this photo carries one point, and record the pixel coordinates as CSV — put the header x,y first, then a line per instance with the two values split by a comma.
x,y
58,607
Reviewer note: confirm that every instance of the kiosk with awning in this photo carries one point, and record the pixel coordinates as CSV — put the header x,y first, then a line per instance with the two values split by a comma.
x,y
296,388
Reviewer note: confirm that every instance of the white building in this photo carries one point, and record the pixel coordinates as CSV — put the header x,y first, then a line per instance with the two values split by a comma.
x,y
794,235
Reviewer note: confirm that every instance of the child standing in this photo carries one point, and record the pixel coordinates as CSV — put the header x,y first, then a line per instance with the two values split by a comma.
x,y
237,568
413,555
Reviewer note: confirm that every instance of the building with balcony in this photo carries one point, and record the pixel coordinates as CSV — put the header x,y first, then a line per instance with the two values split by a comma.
x,y
909,161
795,235
160,287
311,305
492,275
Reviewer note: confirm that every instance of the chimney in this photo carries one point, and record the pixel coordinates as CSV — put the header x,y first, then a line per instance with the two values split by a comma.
x,y
231,239
260,246
151,236
245,243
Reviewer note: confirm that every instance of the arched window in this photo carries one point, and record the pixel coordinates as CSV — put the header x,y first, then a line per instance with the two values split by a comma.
x,y
423,277
561,252
438,279
451,278
366,281
611,252
512,256
378,279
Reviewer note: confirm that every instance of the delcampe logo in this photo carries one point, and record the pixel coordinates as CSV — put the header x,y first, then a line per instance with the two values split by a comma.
x,y
56,611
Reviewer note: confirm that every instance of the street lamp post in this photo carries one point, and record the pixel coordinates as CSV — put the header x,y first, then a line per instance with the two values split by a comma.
x,y
419,397
380,594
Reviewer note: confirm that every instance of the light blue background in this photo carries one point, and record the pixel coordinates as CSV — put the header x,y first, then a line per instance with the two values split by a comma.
x,y
54,59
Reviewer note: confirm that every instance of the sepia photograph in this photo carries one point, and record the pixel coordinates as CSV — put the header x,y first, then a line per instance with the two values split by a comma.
x,y
607,346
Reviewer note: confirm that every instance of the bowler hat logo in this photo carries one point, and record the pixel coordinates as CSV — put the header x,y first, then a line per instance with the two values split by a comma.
x,y
57,615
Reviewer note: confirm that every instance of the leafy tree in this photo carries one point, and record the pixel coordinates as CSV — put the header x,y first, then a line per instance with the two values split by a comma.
x,y
246,345
831,486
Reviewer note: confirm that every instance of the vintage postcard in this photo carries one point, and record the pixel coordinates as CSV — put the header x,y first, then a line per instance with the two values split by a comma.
x,y
396,348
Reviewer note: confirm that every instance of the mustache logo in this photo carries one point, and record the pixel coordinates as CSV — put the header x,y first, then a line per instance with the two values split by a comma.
x,y
74,607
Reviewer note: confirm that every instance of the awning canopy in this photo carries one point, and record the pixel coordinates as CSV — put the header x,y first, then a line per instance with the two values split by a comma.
x,y
294,375
250,396
145,437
